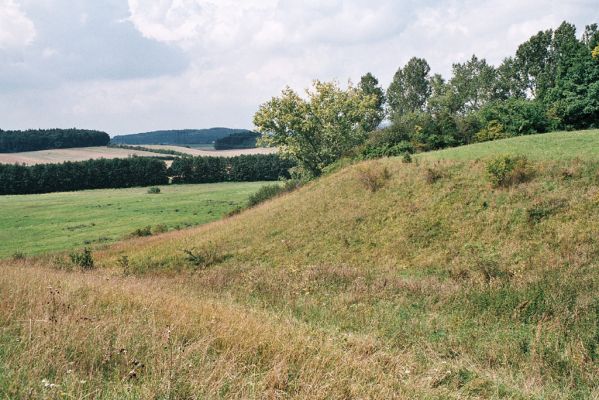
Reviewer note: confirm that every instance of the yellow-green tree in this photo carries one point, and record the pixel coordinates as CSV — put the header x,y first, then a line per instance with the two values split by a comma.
x,y
596,52
316,130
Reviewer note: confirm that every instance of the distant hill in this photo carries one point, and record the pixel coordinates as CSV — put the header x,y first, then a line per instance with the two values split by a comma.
x,y
178,137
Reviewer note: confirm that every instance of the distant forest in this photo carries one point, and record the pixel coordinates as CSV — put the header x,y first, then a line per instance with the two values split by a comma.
x,y
237,140
177,137
44,139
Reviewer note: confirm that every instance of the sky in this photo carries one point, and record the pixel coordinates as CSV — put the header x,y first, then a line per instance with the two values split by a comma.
x,y
127,66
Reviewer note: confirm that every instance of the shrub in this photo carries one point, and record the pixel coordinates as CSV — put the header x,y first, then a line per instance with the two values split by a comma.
x,y
265,193
18,255
204,257
83,260
542,210
154,190
123,262
433,174
142,232
406,158
373,176
493,131
160,228
507,170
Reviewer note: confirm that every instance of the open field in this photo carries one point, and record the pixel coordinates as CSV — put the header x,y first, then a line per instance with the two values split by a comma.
x,y
433,286
547,146
194,151
78,154
33,224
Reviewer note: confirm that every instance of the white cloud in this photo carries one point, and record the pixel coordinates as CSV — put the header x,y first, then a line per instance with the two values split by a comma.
x,y
132,65
16,30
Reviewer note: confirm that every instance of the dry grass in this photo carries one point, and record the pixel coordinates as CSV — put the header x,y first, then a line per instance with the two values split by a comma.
x,y
56,156
448,290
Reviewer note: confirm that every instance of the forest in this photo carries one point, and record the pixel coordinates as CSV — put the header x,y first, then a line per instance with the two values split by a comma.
x,y
177,137
237,140
44,139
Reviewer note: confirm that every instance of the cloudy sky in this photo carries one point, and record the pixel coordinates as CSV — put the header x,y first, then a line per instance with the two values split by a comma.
x,y
127,66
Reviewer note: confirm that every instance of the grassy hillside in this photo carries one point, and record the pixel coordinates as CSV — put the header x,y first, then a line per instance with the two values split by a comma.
x,y
434,286
547,146
33,224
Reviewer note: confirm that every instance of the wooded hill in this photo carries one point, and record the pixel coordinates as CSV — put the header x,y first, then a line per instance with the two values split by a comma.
x,y
177,137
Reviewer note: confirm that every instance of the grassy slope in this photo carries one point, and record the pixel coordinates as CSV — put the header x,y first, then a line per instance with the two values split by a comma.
x,y
548,146
34,224
446,289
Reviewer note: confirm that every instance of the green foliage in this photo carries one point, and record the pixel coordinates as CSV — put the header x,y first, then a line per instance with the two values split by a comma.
x,y
177,137
142,232
83,259
515,116
410,89
493,131
508,170
91,174
370,86
237,140
154,190
42,139
596,53
319,130
204,256
244,168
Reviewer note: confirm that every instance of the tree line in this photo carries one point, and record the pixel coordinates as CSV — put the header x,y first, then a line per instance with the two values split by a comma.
x,y
550,83
245,168
139,171
44,139
90,174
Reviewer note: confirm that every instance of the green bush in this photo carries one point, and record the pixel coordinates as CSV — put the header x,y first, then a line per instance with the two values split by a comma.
x,y
142,232
154,190
84,259
505,170
493,131
160,228
265,193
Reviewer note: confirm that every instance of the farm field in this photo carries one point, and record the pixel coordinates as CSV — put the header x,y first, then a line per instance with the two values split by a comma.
x,y
77,154
198,151
436,285
34,224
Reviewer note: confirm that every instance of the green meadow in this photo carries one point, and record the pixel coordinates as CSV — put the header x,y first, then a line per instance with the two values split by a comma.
x,y
34,224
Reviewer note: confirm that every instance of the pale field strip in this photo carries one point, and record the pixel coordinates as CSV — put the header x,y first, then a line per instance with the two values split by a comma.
x,y
56,156
214,153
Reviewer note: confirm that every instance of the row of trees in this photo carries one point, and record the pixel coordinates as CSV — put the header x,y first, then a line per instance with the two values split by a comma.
x,y
245,168
32,140
551,83
139,171
91,174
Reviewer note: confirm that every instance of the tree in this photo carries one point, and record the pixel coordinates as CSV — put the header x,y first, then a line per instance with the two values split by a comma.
x,y
473,83
410,88
535,63
596,53
318,130
370,86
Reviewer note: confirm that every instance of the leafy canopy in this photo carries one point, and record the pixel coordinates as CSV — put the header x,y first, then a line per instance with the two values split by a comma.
x,y
317,130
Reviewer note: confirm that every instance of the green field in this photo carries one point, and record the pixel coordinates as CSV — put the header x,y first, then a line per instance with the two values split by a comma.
x,y
34,224
547,146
